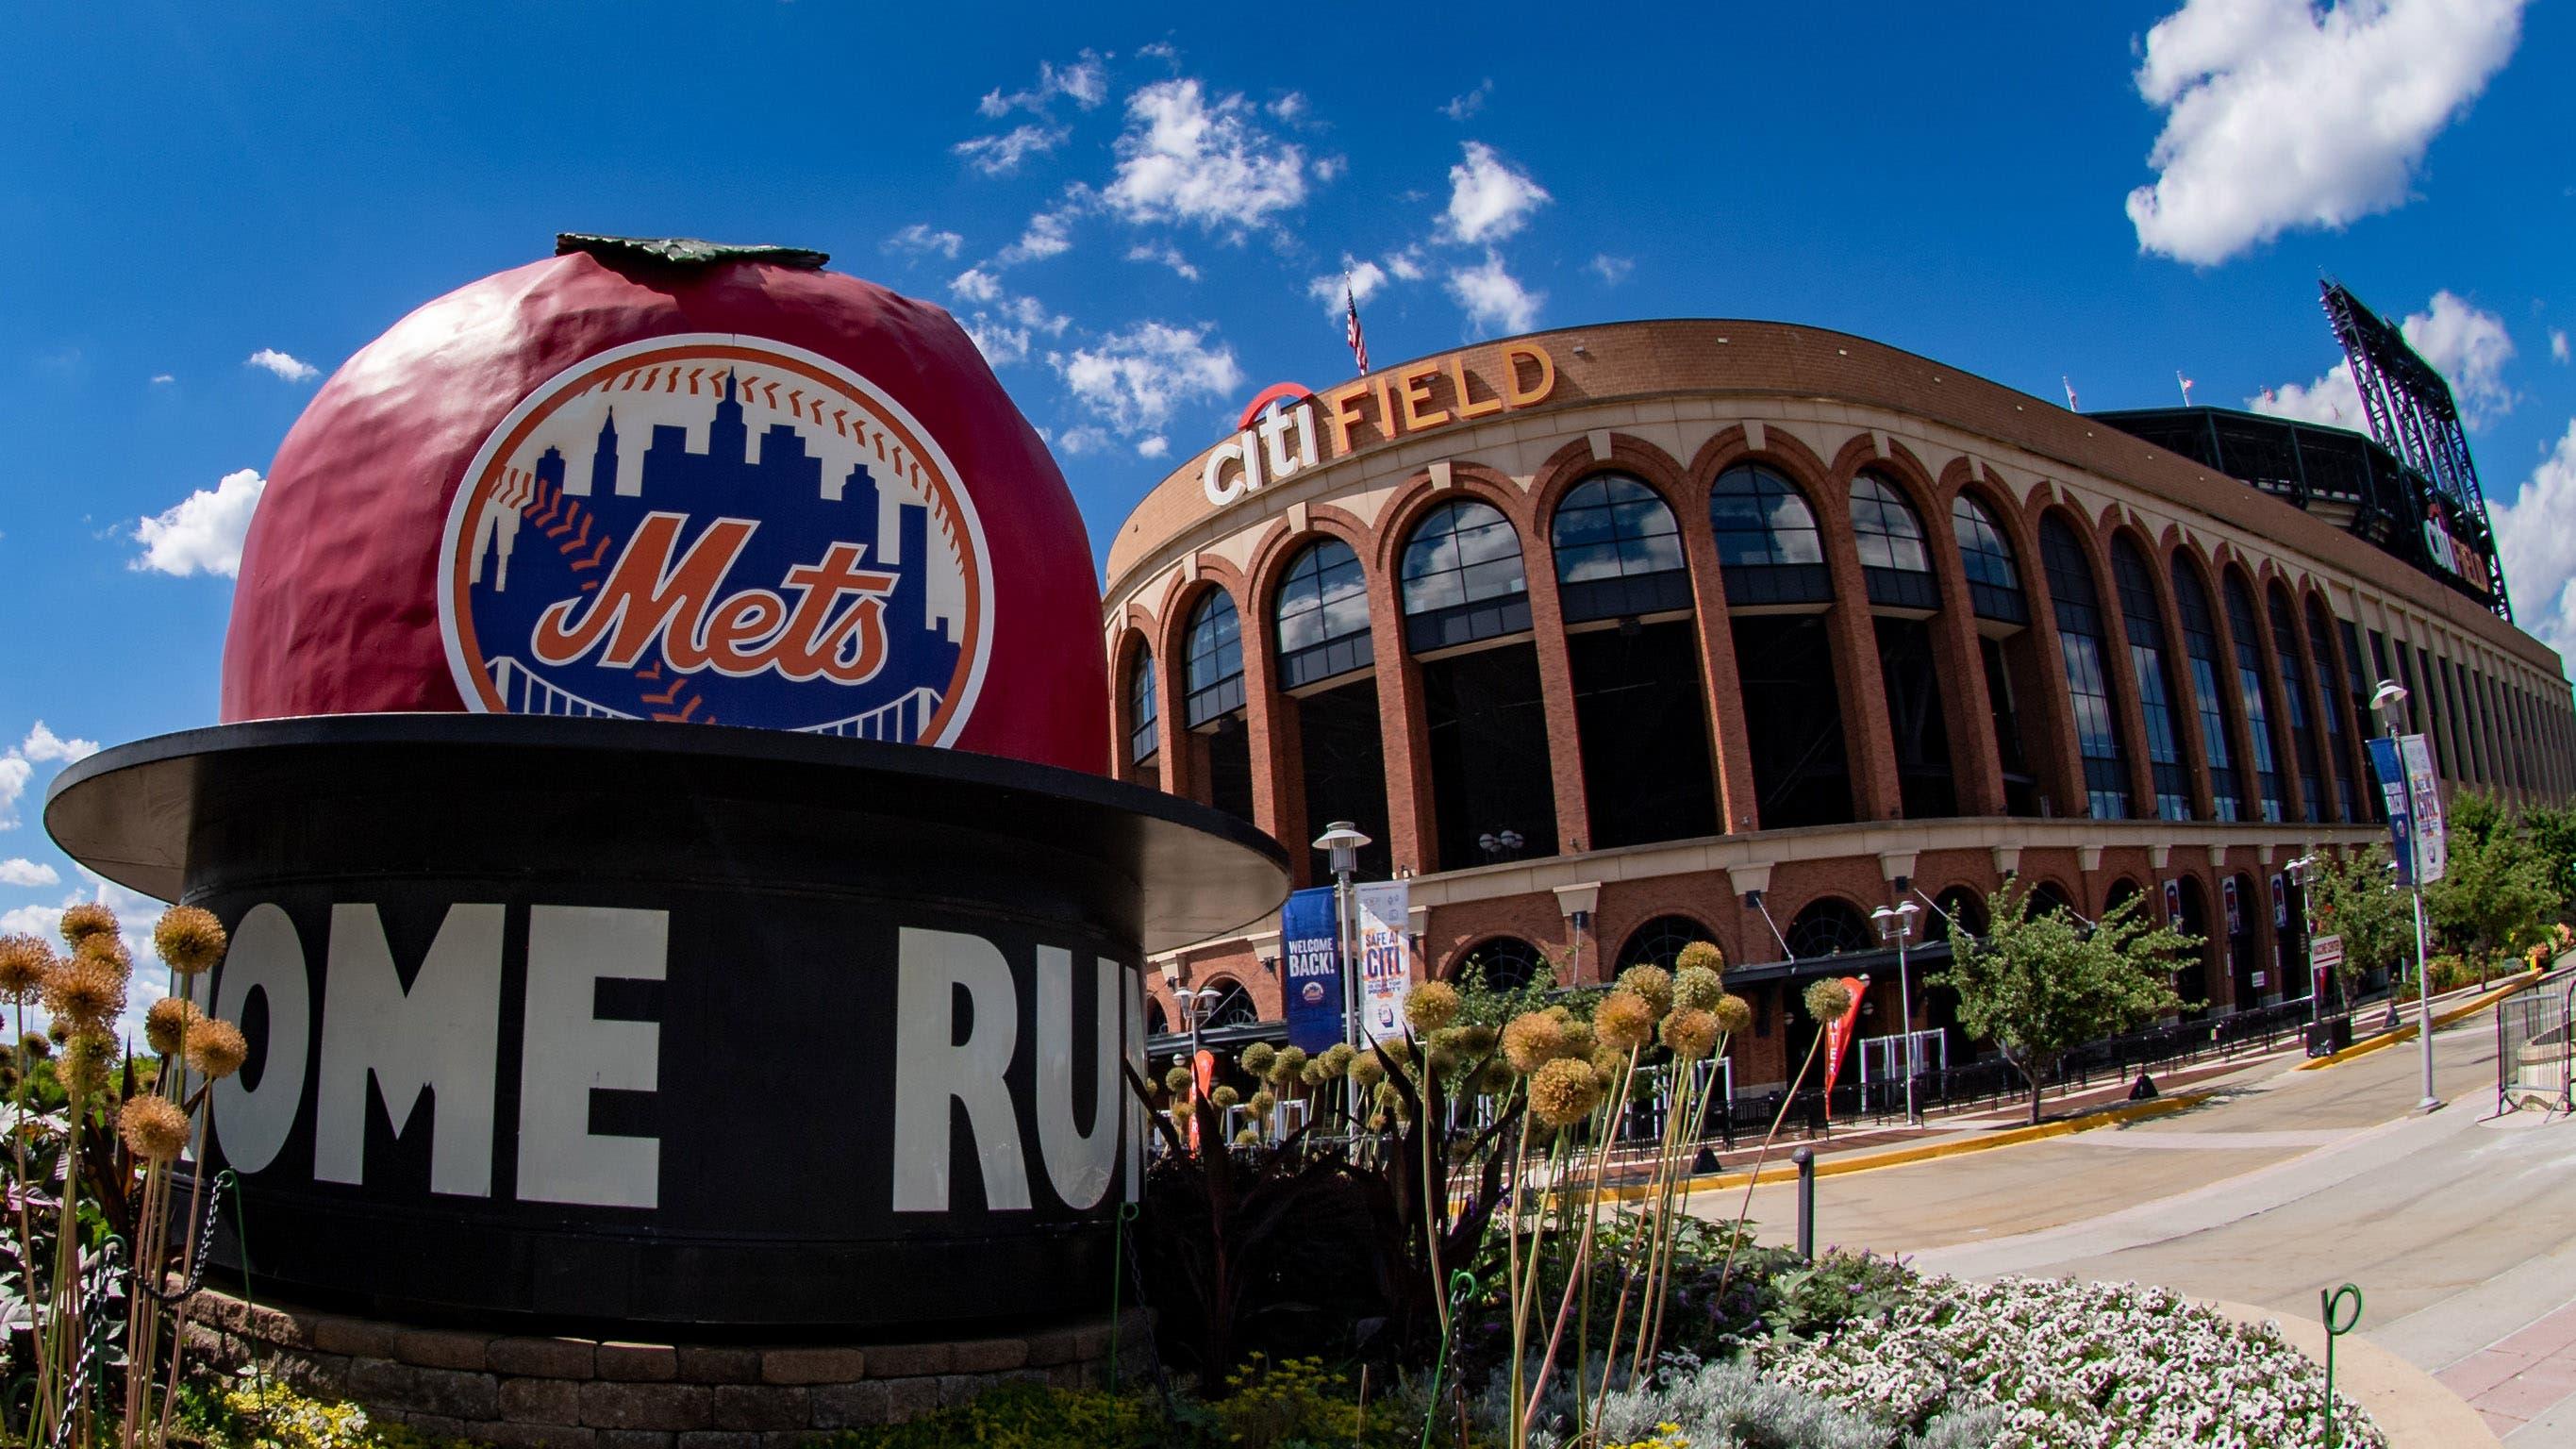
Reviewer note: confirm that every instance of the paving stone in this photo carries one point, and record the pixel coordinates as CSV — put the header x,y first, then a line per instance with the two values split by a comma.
x,y
551,1358
413,1389
813,1365
662,1408
850,1406
638,1362
541,1401
719,1365
440,1348
356,1337
989,1355
908,1360
762,1406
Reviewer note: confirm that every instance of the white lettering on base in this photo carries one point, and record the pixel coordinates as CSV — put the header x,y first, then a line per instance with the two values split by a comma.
x,y
1078,1163
932,1068
438,1037
267,957
571,1053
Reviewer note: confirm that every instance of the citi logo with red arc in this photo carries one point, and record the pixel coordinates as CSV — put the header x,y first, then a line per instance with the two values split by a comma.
x,y
718,529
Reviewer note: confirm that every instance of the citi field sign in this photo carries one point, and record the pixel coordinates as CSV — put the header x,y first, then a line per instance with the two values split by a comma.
x,y
718,529
1278,435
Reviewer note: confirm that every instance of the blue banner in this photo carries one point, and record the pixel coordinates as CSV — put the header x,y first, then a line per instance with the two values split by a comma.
x,y
2391,770
1311,969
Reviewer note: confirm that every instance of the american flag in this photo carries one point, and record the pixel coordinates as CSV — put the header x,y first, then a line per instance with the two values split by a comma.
x,y
2070,391
1351,328
2186,386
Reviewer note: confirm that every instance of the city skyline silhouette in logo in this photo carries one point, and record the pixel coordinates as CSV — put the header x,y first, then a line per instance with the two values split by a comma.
x,y
556,539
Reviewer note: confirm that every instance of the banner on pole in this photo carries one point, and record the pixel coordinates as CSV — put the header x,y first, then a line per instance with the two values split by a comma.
x,y
2424,795
1384,909
1838,1036
1311,969
2391,770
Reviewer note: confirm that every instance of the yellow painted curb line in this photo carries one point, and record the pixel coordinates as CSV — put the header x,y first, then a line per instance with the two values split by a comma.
x,y
2405,1033
1836,1166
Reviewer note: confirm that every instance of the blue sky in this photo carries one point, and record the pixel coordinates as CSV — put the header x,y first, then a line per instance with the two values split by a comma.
x,y
205,209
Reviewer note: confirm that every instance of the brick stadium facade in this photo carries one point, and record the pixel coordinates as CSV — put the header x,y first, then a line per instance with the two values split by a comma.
x,y
1615,636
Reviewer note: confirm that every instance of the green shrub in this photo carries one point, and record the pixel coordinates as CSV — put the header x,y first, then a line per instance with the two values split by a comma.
x,y
247,1411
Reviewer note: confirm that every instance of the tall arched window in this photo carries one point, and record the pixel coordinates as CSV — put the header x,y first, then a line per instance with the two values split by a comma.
x,y
1231,1006
2294,682
2200,643
1323,616
1215,668
1462,577
2145,627
1829,927
1767,542
1994,583
1618,551
1893,560
2255,689
2080,636
2336,699
1144,729
1505,963
1660,940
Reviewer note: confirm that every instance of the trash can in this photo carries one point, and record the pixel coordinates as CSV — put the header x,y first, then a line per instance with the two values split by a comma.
x,y
2329,1036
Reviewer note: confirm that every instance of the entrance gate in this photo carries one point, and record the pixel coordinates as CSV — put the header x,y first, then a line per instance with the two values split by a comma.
x,y
2535,1034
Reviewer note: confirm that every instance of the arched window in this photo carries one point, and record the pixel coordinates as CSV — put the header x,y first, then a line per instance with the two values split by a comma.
x,y
2255,689
1660,940
1767,541
2088,675
1144,730
2121,890
2200,643
2049,896
1156,1021
1323,615
1618,551
1994,583
1829,927
1462,577
2337,702
1505,963
2144,622
2294,682
1893,560
1959,905
1230,1006
1215,668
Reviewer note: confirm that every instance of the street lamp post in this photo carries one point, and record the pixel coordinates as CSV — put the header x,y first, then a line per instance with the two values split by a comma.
x,y
1343,841
1897,924
2390,703
2298,871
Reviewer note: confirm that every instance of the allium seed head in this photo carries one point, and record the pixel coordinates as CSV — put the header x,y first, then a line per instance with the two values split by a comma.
x,y
1366,1072
1495,1078
85,992
89,918
1248,1137
1431,1006
1651,982
216,1049
1476,1040
1533,1039
108,949
1262,1103
1624,1021
1177,1081
1734,1014
1337,1059
1700,956
1826,1000
88,1058
1580,1040
1288,1067
1564,1092
1697,987
1691,1033
166,1025
1314,1075
189,938
36,1045
1225,1096
1257,1058
154,1128
24,960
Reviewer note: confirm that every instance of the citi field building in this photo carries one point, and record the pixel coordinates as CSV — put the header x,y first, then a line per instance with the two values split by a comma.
x,y
1618,636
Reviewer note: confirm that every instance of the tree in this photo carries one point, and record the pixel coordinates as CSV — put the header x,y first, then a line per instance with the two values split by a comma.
x,y
2553,834
2497,895
2355,896
2040,985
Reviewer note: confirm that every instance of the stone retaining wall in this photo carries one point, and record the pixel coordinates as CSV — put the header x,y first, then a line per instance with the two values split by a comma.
x,y
576,1393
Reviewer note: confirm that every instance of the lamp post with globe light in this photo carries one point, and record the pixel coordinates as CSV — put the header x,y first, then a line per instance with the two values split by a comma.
x,y
1896,924
1342,842
2390,704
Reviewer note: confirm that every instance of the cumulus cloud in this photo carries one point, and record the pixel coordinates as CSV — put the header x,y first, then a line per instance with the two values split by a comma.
x,y
1611,270
1005,331
1134,381
1049,232
40,921
1186,158
42,744
2536,535
203,532
1166,254
1078,441
1291,107
2279,114
919,239
1330,168
1363,280
1000,155
1153,447
1085,82
975,285
15,772
2558,344
2468,346
160,379
1489,199
1460,108
20,871
1493,298
1406,265
293,369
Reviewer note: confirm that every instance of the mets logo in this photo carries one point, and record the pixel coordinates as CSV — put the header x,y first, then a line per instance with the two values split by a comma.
x,y
718,529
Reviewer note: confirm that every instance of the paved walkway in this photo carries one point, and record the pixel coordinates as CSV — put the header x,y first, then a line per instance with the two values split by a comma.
x,y
2459,1228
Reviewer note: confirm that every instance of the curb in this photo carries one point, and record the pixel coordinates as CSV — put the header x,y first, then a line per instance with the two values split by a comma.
x,y
2442,1018
1931,1151
2413,1408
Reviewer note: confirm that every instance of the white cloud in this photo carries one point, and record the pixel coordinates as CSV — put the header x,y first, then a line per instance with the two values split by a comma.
x,y
2536,534
1047,234
42,921
1611,270
43,744
1488,199
1166,254
1493,298
1153,447
1085,82
161,378
1001,155
2279,114
20,871
1406,265
203,532
14,775
1184,158
1357,281
1461,107
2558,344
975,285
1135,380
1001,345
1330,168
919,240
1290,107
1003,333
1078,441
2469,347
293,369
